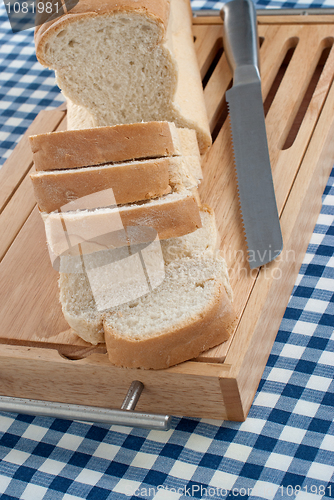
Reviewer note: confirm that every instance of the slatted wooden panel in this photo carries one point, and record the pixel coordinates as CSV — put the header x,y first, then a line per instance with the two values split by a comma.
x,y
219,187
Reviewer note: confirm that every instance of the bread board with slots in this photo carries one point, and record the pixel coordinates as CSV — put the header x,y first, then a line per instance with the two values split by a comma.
x,y
41,358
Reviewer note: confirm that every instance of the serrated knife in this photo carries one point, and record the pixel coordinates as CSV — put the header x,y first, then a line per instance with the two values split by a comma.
x,y
252,162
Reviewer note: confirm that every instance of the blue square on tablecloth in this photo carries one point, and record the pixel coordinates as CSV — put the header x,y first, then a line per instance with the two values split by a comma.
x,y
60,484
171,451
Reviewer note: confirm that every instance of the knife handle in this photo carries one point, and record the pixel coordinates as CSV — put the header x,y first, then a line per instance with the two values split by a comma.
x,y
240,34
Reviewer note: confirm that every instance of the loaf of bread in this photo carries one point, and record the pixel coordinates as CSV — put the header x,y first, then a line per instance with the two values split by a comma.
x,y
126,61
131,64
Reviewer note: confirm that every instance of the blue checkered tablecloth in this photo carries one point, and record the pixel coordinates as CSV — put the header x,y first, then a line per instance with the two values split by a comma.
x,y
284,450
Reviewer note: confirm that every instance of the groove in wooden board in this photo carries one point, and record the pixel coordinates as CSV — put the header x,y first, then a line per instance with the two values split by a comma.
x,y
214,92
23,201
208,41
284,163
299,218
20,161
277,40
293,86
15,214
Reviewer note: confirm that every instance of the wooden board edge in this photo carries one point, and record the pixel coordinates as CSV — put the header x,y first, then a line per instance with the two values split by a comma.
x,y
94,381
272,19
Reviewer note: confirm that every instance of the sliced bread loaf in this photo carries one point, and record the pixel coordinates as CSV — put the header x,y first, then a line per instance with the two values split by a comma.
x,y
123,62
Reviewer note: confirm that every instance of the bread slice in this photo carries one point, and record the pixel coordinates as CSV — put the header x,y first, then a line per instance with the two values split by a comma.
x,y
95,146
172,215
124,62
77,300
186,315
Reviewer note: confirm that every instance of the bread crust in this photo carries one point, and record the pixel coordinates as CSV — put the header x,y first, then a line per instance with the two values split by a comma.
x,y
95,146
157,10
130,182
171,219
183,342
174,217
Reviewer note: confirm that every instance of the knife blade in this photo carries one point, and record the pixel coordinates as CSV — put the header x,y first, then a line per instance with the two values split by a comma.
x,y
251,154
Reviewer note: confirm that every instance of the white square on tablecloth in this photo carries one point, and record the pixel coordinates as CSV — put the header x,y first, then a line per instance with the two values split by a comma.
x,y
27,78
5,423
198,443
306,408
4,482
315,305
264,490
304,495
223,480
304,328
279,375
16,457
50,466
322,472
164,494
127,487
160,437
278,461
325,284
327,443
238,452
35,432
325,219
4,136
329,200
88,476
316,239
183,470
107,451
326,358
15,91
266,399
254,425
292,351
33,491
26,108
70,442
292,434
144,460
318,383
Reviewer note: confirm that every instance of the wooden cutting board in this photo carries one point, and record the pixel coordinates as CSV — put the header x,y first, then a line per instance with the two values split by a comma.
x,y
297,68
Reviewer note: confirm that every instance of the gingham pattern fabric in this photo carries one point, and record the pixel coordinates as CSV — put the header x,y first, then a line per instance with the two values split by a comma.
x,y
284,450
